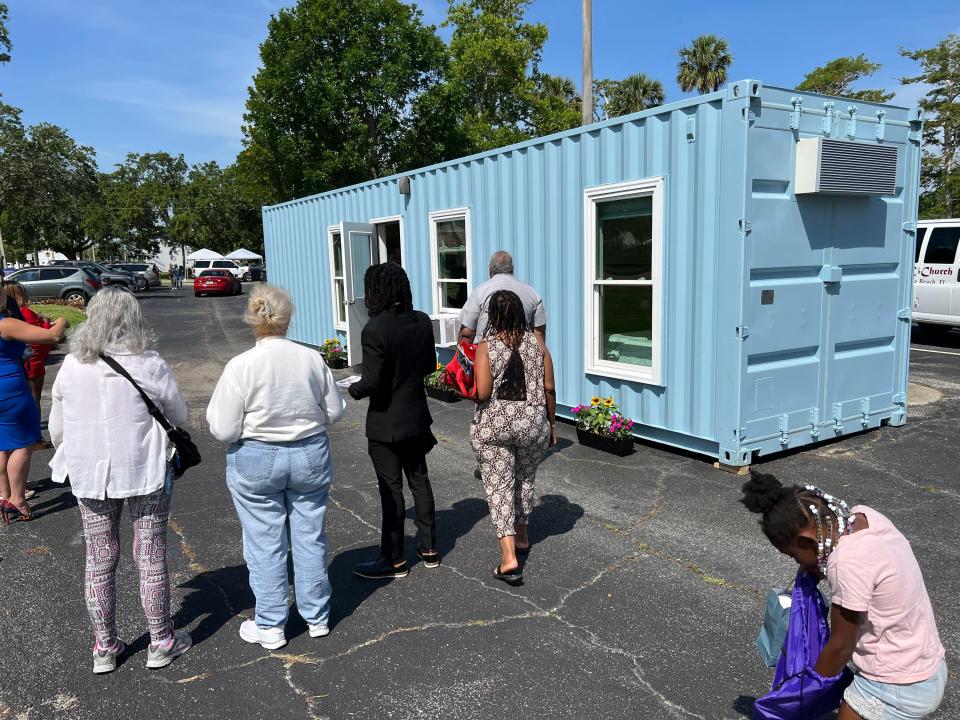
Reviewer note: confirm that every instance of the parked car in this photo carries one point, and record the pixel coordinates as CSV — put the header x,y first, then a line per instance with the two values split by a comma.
x,y
241,272
936,275
106,275
144,270
216,282
68,283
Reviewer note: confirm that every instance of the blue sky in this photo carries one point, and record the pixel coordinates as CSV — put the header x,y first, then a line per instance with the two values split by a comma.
x,y
141,75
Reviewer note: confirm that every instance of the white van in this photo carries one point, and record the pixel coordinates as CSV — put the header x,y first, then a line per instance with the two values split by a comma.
x,y
936,275
200,265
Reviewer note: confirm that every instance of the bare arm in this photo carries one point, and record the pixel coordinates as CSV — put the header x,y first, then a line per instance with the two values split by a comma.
x,y
549,388
541,334
12,329
844,630
467,333
481,372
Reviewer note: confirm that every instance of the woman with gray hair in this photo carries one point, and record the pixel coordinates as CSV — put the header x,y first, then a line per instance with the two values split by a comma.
x,y
273,404
113,450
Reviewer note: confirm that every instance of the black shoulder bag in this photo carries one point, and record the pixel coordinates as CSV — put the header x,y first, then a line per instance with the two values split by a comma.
x,y
187,455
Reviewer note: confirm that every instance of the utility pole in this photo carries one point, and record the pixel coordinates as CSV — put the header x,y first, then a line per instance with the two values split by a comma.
x,y
586,116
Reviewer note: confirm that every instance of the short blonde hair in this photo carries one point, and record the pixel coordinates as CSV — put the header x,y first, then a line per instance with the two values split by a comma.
x,y
269,310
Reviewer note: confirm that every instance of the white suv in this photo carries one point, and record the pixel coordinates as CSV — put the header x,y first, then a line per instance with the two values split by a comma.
x,y
234,269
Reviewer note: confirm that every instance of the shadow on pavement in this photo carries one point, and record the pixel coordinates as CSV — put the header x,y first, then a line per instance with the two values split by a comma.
x,y
553,515
744,705
350,591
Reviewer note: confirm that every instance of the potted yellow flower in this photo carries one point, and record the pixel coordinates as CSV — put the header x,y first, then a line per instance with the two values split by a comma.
x,y
437,387
601,426
334,353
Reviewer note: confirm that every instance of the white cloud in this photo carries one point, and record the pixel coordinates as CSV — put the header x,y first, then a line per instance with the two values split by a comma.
x,y
187,111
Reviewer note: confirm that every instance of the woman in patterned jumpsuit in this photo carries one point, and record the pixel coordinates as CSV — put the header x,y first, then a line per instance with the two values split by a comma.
x,y
514,423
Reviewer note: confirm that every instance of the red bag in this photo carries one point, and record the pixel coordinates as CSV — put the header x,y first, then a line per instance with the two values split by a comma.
x,y
459,371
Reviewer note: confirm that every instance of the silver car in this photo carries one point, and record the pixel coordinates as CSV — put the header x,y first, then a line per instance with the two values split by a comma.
x,y
144,270
68,283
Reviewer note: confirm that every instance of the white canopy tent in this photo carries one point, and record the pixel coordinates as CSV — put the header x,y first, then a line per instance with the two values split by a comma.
x,y
244,254
204,254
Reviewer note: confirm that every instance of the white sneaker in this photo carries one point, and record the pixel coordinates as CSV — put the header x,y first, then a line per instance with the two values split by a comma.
x,y
105,661
162,654
319,630
269,638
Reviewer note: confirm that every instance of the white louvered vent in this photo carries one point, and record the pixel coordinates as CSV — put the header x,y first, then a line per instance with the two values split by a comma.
x,y
840,167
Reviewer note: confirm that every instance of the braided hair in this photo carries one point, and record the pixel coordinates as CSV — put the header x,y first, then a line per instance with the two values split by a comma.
x,y
386,286
784,507
508,320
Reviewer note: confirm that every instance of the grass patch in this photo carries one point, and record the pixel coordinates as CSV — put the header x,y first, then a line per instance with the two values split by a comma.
x,y
73,315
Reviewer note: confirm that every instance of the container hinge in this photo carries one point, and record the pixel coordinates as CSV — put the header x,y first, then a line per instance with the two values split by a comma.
x,y
900,399
865,412
838,417
910,227
691,129
827,118
784,429
904,314
815,423
797,111
831,273
744,225
852,121
743,332
881,124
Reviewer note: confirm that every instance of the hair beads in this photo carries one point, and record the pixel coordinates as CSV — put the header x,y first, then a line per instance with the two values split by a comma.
x,y
824,522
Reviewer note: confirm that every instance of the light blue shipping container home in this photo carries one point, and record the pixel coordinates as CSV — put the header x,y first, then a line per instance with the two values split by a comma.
x,y
734,269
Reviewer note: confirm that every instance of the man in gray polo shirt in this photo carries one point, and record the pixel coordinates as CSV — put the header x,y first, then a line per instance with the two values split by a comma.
x,y
473,317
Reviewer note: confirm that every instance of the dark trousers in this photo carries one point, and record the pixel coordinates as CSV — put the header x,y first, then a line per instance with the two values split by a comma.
x,y
392,461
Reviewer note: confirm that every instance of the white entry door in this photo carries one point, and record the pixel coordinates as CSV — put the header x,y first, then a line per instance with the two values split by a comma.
x,y
361,250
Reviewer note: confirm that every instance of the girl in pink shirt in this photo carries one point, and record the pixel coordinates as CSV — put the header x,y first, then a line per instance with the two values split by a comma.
x,y
881,618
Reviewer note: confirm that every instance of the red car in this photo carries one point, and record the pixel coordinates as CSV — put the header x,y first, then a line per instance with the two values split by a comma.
x,y
216,282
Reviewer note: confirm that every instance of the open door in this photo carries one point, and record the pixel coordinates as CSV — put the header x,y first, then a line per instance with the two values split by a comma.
x,y
361,250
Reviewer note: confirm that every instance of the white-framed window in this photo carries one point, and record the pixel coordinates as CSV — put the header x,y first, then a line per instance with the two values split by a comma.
x,y
338,277
623,251
450,258
390,239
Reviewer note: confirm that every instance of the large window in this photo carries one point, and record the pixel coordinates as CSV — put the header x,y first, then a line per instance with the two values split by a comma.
x,y
623,229
339,279
450,241
942,246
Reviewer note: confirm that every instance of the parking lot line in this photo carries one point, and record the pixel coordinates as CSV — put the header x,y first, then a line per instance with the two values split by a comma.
x,y
937,352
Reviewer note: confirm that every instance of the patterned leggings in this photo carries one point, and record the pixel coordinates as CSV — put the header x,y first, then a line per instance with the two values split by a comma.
x,y
101,528
508,474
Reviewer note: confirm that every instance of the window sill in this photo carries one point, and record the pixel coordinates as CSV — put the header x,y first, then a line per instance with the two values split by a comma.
x,y
622,373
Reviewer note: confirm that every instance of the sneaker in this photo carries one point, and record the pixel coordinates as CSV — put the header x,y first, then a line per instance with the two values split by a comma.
x,y
268,638
381,569
430,558
160,655
105,661
319,630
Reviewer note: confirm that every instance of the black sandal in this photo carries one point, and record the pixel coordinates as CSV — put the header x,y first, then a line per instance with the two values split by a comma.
x,y
514,577
521,550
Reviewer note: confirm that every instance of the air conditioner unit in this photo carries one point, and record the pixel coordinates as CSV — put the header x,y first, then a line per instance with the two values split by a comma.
x,y
446,329
839,167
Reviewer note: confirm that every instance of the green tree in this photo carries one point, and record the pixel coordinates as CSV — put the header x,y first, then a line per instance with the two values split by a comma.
x,y
142,196
333,95
703,64
633,94
5,46
940,175
838,76
558,105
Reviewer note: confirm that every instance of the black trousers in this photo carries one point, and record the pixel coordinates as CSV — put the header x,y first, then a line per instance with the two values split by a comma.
x,y
392,461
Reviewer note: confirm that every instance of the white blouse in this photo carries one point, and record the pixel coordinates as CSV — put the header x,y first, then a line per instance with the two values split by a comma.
x,y
106,440
278,391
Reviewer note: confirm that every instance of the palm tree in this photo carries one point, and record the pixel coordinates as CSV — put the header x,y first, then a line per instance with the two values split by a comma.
x,y
557,87
703,64
633,94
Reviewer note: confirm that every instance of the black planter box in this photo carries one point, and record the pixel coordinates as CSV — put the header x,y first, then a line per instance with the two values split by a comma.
x,y
337,363
615,446
447,396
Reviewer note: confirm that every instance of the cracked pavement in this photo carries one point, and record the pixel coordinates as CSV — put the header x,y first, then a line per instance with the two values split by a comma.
x,y
643,593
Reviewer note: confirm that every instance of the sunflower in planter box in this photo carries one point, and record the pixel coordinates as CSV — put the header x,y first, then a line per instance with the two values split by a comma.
x,y
334,352
603,417
436,379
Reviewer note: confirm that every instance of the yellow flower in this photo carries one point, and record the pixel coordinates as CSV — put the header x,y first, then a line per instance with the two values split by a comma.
x,y
595,401
439,366
608,402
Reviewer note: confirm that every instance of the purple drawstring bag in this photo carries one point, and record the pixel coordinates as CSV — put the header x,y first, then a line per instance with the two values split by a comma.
x,y
799,692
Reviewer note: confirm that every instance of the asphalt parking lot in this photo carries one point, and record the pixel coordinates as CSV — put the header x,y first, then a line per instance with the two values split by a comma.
x,y
642,597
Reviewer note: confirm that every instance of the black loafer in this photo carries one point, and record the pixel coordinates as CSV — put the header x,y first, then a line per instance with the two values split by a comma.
x,y
430,558
514,577
381,569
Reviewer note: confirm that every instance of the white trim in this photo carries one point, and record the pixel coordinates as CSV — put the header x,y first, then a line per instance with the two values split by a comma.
x,y
403,240
337,325
653,187
434,218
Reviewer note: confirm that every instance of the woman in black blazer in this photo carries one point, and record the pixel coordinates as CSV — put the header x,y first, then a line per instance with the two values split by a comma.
x,y
398,351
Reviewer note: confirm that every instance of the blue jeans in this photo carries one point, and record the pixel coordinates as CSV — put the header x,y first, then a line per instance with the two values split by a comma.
x,y
276,485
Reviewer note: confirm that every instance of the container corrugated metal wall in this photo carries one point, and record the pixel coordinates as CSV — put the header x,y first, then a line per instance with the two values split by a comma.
x,y
528,199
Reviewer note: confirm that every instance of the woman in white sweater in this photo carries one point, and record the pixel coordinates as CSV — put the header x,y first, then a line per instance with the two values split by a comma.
x,y
273,404
113,451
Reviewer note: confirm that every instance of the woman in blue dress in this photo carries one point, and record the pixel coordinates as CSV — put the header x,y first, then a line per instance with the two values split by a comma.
x,y
19,417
